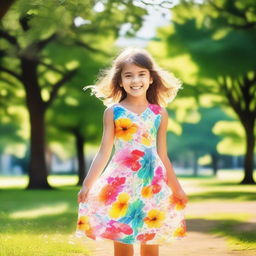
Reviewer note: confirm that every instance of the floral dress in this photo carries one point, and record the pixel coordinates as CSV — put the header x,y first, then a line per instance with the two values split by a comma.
x,y
131,202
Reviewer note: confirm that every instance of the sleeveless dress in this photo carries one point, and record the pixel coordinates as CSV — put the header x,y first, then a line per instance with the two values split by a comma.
x,y
131,202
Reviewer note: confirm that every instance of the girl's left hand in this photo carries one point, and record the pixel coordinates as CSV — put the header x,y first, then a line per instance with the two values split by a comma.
x,y
180,195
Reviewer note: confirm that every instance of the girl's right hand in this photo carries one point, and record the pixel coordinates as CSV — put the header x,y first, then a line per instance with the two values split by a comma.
x,y
82,194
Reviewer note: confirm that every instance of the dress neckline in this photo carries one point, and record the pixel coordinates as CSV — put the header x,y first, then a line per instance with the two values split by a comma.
x,y
134,112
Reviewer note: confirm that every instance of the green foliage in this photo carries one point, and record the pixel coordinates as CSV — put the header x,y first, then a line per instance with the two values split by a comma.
x,y
230,55
60,36
198,137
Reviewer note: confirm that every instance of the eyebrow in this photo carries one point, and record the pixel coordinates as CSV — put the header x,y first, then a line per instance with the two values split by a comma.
x,y
142,71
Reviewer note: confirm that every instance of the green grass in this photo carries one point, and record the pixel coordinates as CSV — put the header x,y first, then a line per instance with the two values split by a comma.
x,y
39,222
225,187
42,223
239,234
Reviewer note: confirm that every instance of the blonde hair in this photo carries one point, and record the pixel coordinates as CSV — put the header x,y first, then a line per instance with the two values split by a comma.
x,y
162,91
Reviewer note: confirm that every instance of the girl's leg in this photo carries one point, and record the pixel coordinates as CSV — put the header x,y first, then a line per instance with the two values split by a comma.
x,y
121,249
149,249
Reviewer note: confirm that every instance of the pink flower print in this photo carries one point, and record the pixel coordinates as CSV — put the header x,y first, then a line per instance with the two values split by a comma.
x,y
116,181
121,227
130,159
111,233
146,237
158,175
116,230
155,108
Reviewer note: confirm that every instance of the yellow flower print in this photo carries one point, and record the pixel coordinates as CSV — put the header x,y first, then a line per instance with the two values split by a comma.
x,y
147,191
178,232
83,223
146,139
125,128
154,218
119,208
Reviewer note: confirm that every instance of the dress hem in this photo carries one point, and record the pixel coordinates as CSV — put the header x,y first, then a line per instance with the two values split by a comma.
x,y
98,238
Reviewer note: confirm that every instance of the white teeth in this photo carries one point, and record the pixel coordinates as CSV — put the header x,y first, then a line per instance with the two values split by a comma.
x,y
136,87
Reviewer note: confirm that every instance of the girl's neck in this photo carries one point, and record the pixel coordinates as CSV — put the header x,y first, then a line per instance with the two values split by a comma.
x,y
136,101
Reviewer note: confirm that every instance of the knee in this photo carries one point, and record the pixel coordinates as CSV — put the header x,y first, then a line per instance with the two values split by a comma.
x,y
149,250
121,249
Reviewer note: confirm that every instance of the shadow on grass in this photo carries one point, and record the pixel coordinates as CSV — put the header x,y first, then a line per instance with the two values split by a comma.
x,y
239,230
238,196
16,201
38,211
64,223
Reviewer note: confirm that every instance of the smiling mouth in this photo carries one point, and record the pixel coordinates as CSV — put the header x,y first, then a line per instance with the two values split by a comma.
x,y
136,87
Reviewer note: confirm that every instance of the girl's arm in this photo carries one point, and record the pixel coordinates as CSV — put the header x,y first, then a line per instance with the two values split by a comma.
x,y
101,158
172,181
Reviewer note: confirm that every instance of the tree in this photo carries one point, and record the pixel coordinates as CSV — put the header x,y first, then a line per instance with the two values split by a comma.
x,y
26,32
220,38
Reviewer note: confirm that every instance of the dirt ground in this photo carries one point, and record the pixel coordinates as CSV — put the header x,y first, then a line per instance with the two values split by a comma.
x,y
199,241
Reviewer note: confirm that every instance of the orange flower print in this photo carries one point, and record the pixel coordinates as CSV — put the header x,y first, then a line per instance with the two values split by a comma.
x,y
179,232
155,218
108,194
125,128
147,191
176,202
146,237
119,208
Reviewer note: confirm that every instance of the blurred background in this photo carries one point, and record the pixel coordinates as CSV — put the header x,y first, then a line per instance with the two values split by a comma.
x,y
50,129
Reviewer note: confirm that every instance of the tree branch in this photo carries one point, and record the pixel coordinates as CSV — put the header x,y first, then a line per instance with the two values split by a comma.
x,y
232,101
7,81
88,47
163,4
239,14
10,72
41,44
11,39
51,67
57,86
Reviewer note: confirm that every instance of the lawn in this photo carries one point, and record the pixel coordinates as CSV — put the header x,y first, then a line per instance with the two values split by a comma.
x,y
42,223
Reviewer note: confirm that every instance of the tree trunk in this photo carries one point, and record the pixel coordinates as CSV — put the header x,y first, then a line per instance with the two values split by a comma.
x,y
195,165
37,165
80,157
214,163
4,7
249,155
36,108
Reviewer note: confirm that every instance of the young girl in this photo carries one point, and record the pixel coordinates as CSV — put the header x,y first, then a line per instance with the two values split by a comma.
x,y
137,199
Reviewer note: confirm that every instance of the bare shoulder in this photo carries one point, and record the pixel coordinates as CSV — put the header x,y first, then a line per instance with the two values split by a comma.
x,y
164,113
108,114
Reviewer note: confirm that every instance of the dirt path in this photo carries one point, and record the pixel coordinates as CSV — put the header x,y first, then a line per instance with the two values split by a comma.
x,y
199,241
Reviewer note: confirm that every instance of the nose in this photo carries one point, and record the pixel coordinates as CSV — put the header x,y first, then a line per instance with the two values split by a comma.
x,y
135,79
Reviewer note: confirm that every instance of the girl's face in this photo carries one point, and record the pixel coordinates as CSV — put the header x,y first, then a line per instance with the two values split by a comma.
x,y
135,79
